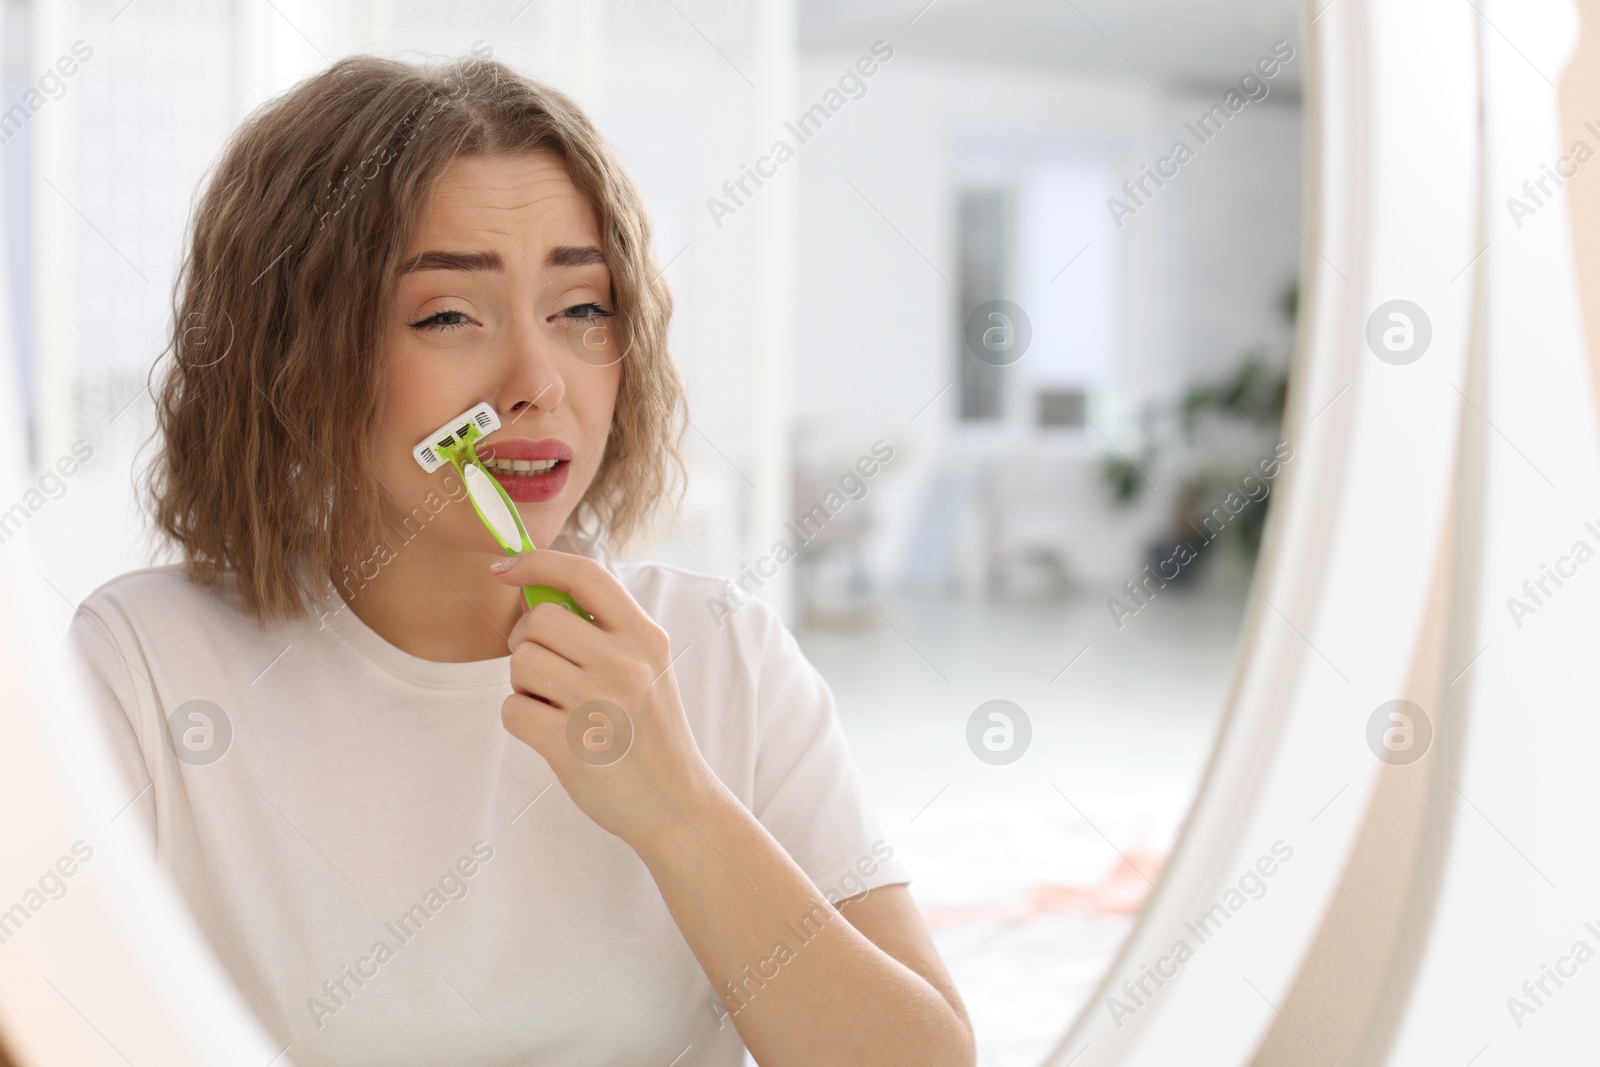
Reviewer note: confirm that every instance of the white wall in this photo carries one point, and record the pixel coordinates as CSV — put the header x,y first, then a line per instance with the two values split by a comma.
x,y
1200,268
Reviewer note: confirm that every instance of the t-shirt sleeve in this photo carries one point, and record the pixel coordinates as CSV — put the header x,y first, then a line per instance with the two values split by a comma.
x,y
106,675
808,791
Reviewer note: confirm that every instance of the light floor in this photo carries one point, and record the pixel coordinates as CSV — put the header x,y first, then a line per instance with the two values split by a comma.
x,y
1029,874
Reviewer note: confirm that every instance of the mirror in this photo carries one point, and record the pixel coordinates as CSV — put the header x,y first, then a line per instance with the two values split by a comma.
x,y
1052,258
1035,270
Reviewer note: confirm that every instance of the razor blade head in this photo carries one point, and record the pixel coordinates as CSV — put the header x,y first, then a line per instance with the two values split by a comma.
x,y
475,422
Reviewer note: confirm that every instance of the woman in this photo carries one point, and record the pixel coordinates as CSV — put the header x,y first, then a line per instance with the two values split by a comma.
x,y
340,764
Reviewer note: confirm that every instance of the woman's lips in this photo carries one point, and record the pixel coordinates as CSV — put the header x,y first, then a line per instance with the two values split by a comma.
x,y
530,488
533,488
523,448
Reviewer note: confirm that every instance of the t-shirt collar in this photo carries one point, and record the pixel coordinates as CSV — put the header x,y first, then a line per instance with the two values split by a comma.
x,y
431,673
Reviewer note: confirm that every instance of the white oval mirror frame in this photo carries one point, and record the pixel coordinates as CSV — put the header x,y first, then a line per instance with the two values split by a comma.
x,y
1424,494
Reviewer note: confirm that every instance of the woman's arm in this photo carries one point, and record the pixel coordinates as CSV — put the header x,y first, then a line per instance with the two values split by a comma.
x,y
804,983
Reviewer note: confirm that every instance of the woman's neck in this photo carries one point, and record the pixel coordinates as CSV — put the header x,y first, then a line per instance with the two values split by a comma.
x,y
434,603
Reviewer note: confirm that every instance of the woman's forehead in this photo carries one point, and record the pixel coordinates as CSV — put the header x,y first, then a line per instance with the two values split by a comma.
x,y
527,200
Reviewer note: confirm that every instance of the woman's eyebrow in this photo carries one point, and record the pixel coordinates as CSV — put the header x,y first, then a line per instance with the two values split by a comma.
x,y
574,256
454,261
559,256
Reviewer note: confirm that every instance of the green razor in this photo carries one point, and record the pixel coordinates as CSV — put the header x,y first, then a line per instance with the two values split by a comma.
x,y
454,443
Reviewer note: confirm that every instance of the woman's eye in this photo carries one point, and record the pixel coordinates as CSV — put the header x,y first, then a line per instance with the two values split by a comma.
x,y
444,320
585,312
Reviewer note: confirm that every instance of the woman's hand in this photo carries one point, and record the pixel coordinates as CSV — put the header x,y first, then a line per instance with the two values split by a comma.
x,y
729,885
598,700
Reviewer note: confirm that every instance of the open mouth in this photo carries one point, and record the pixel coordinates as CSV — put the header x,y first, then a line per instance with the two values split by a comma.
x,y
521,468
530,472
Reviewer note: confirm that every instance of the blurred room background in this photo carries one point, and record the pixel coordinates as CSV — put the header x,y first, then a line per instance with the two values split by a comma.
x,y
840,307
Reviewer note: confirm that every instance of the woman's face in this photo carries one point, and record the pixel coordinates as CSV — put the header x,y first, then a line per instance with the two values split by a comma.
x,y
503,297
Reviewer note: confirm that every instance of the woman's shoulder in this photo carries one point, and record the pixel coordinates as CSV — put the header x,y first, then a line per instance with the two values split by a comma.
x,y
160,614
166,601
693,601
156,590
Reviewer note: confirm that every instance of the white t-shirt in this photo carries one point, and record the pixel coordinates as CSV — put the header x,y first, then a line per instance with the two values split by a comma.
x,y
392,878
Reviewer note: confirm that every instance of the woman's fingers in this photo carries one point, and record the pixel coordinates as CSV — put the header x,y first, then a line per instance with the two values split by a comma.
x,y
562,632
595,589
539,672
535,724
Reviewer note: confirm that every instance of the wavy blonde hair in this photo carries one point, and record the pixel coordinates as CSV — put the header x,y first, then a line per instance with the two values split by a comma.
x,y
278,313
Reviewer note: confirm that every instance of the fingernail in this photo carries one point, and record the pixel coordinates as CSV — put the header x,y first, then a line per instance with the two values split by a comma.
x,y
500,566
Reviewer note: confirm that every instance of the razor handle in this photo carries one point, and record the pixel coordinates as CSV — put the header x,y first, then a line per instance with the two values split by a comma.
x,y
499,516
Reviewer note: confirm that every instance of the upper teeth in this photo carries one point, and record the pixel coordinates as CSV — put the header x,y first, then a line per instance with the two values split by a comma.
x,y
521,466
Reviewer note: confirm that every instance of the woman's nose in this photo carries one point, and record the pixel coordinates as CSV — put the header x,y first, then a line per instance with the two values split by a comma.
x,y
533,384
